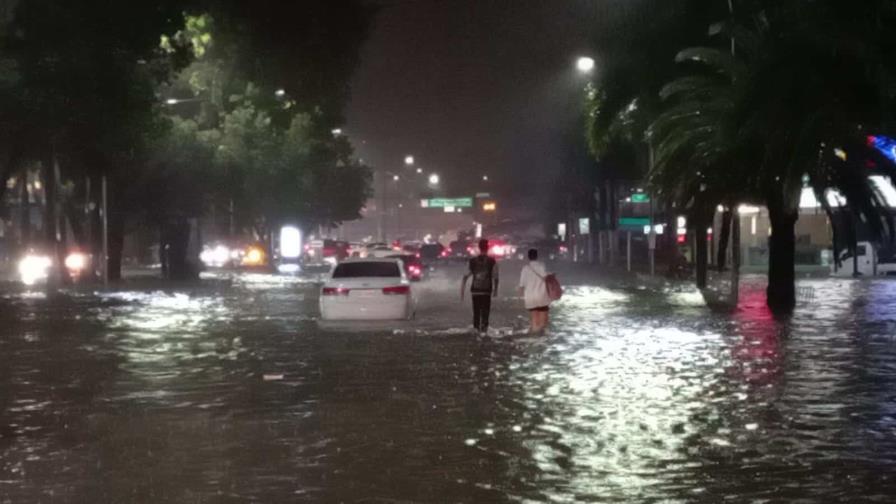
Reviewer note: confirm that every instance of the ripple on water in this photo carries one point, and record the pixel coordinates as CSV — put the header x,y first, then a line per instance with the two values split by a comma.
x,y
633,396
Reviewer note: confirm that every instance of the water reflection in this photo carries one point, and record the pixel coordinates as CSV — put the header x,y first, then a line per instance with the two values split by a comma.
x,y
233,393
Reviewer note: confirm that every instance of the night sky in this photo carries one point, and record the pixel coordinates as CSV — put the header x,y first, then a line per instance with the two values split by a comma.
x,y
473,87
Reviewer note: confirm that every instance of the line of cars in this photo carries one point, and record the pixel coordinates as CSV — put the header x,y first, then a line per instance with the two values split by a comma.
x,y
375,282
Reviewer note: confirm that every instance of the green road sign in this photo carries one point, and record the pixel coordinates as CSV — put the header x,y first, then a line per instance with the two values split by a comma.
x,y
640,198
447,202
633,223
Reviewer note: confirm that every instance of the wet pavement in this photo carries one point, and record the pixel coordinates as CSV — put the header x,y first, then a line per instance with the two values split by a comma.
x,y
231,391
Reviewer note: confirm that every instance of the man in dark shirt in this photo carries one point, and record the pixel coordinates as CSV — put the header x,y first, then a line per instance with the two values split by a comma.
x,y
484,271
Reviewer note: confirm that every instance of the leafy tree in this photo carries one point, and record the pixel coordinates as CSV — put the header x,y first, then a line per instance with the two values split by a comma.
x,y
83,98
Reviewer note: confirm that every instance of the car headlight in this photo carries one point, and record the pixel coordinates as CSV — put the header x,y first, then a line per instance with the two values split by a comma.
x,y
33,268
76,262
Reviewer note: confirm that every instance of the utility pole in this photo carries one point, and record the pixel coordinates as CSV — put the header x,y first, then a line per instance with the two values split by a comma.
x,y
88,221
651,235
231,219
105,196
381,225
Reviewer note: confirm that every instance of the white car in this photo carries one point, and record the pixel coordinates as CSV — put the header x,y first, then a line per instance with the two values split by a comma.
x,y
367,289
380,251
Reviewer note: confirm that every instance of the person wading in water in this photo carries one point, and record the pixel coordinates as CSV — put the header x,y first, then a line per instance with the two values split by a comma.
x,y
535,293
484,271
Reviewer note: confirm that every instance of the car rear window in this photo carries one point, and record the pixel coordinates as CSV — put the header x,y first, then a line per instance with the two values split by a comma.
x,y
367,269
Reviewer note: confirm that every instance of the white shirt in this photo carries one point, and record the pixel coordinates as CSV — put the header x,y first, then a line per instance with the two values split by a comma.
x,y
535,293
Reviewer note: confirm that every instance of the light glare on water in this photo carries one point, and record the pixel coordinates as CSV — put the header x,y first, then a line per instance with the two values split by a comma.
x,y
234,392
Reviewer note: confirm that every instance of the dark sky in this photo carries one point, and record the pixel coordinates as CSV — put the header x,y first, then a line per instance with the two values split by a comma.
x,y
474,86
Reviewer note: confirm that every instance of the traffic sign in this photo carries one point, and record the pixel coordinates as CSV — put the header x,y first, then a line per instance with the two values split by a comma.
x,y
447,202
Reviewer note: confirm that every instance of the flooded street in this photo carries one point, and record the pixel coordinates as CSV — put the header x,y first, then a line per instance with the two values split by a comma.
x,y
232,392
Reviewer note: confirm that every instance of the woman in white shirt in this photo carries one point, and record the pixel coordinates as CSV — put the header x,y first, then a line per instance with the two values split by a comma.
x,y
535,292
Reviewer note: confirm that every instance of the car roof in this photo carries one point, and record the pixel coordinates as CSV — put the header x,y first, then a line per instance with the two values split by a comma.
x,y
369,259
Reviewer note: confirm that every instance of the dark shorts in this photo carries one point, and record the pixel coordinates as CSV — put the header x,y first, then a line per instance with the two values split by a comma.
x,y
540,309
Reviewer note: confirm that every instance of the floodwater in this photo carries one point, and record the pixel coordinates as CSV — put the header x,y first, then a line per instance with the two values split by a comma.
x,y
232,392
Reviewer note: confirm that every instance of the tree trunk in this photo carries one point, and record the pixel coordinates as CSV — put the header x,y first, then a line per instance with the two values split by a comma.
x,y
25,216
781,292
174,247
724,235
116,241
670,240
52,231
735,259
701,255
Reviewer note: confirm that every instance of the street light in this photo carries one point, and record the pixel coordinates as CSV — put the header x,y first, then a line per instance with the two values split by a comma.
x,y
419,170
395,178
280,93
336,131
409,160
485,178
434,179
585,64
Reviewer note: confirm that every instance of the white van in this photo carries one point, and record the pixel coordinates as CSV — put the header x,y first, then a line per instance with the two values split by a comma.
x,y
869,263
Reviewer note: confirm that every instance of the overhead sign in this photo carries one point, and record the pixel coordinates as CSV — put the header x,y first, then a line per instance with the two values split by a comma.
x,y
640,198
633,223
483,195
447,202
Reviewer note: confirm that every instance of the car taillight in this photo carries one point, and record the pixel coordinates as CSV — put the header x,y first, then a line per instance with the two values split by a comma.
x,y
415,270
398,290
335,291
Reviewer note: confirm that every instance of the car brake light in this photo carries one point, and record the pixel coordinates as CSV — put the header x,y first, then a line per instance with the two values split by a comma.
x,y
335,291
398,290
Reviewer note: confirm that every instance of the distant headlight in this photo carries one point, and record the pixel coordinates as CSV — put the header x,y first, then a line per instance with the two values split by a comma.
x,y
288,268
76,262
215,257
33,268
254,257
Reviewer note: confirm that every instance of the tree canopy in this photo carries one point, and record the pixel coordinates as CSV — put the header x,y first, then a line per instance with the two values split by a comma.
x,y
185,105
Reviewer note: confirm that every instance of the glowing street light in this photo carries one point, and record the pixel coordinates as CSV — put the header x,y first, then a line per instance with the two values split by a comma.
x,y
409,160
395,178
585,64
419,170
280,93
485,178
336,131
434,179
171,101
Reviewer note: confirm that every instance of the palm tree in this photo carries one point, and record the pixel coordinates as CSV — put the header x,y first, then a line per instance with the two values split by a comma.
x,y
755,126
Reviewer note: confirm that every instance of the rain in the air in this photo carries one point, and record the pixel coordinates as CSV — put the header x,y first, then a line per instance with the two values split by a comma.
x,y
447,251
